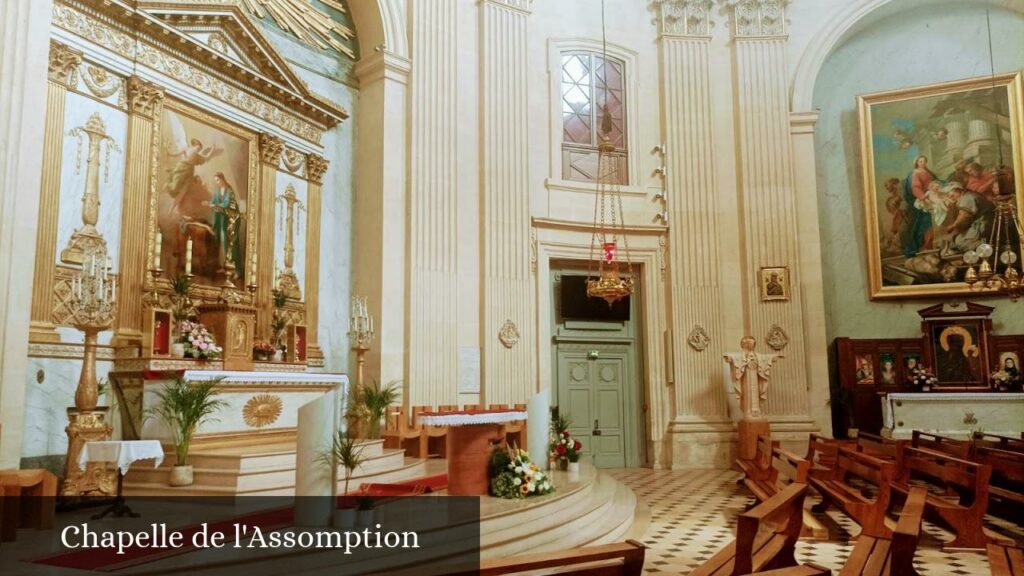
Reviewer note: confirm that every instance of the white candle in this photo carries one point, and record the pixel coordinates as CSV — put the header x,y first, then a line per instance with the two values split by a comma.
x,y
157,249
109,268
113,290
188,257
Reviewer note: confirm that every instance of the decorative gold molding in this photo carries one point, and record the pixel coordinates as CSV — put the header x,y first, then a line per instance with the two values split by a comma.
x,y
144,98
316,167
271,148
262,410
293,160
101,82
306,22
64,63
68,351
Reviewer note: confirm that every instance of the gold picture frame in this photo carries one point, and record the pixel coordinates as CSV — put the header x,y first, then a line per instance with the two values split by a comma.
x,y
773,283
917,144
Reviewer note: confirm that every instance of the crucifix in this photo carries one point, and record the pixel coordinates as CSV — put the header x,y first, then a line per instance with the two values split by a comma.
x,y
289,282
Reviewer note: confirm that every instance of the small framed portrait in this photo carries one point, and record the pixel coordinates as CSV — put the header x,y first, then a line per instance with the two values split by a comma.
x,y
959,351
774,282
887,368
1009,362
911,362
865,367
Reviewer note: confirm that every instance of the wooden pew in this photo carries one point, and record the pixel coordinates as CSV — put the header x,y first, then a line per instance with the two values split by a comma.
x,y
880,447
399,433
432,438
964,513
835,489
822,452
765,539
29,501
943,444
618,559
1000,442
1005,559
773,469
876,556
1007,481
515,432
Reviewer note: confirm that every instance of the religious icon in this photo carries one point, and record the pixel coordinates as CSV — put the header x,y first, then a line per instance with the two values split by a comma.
x,y
932,170
865,369
887,360
774,282
203,179
958,352
1009,362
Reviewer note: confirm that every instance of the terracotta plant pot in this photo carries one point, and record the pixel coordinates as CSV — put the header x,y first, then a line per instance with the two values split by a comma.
x,y
181,476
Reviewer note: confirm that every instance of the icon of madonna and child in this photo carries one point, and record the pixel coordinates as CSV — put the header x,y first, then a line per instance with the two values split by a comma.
x,y
942,166
202,182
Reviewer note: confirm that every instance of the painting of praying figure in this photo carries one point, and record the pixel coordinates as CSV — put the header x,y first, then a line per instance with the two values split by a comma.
x,y
203,177
936,161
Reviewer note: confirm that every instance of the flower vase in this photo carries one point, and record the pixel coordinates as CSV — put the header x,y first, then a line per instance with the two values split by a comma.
x,y
178,349
574,467
278,356
563,464
345,518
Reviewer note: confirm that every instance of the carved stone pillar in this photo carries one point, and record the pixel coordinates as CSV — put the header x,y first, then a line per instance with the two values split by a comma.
x,y
271,148
695,284
145,102
25,45
316,167
510,372
63,73
769,204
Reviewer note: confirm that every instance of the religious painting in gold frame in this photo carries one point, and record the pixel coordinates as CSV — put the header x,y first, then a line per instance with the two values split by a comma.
x,y
206,190
774,283
932,159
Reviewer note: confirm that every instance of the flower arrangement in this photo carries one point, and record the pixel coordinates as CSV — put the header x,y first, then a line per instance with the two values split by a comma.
x,y
198,341
923,379
513,475
565,447
263,349
1003,380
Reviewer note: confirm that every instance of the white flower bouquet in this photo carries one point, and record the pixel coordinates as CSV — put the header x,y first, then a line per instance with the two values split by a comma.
x,y
513,475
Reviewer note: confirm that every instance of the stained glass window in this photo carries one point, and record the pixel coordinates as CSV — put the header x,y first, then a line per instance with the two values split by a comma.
x,y
587,79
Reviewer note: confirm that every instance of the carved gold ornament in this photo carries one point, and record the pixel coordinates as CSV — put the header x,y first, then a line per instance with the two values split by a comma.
x,y
262,410
306,22
509,334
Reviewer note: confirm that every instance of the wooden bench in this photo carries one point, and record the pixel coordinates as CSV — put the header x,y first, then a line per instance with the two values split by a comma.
x,y
880,447
432,438
876,556
515,432
618,559
765,539
1007,481
822,452
942,444
835,489
1001,442
399,433
1005,559
772,469
29,501
964,512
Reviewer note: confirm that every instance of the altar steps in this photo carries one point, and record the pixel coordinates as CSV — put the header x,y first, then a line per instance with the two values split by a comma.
x,y
266,470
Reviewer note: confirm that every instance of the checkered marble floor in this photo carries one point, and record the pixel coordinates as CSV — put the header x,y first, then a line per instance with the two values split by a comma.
x,y
693,515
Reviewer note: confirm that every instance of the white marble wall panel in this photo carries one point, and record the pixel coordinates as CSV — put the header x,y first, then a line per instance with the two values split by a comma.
x,y
77,111
47,401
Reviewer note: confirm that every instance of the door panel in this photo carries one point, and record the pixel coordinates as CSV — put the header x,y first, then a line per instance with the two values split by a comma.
x,y
593,393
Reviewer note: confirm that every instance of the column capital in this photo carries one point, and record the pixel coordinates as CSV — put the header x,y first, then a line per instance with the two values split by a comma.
x,y
383,64
64,63
316,166
690,18
520,5
758,18
271,148
144,97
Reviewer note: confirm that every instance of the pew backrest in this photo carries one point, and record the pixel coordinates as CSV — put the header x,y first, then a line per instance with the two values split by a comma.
x,y
944,444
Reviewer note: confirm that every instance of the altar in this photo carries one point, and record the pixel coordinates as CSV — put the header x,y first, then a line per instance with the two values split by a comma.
x,y
261,403
955,414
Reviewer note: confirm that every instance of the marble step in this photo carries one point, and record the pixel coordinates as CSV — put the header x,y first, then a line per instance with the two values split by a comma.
x,y
257,458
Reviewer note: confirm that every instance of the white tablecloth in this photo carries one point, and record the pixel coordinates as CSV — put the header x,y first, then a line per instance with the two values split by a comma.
x,y
124,452
471,418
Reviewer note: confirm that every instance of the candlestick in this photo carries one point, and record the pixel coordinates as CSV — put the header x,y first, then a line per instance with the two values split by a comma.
x,y
188,257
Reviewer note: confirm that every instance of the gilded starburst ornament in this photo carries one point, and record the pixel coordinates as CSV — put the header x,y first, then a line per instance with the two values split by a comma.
x,y
306,22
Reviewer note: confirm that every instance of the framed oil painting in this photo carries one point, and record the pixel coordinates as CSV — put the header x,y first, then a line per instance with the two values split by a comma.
x,y
865,369
934,160
205,189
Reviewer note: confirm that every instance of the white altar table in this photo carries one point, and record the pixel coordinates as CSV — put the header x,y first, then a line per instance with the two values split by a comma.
x,y
258,402
954,414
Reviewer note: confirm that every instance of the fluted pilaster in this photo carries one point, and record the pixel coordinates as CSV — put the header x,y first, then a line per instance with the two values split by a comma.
x,y
433,195
271,148
316,167
768,192
145,101
509,372
63,70
694,242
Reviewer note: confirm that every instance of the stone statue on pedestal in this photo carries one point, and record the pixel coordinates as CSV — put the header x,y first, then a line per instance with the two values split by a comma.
x,y
750,372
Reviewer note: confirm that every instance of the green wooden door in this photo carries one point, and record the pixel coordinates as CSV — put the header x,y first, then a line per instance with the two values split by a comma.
x,y
593,390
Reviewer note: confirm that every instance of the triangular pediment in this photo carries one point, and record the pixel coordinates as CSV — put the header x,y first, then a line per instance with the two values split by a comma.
x,y
955,309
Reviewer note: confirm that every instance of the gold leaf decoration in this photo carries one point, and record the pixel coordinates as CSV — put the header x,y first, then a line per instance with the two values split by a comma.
x,y
306,22
262,410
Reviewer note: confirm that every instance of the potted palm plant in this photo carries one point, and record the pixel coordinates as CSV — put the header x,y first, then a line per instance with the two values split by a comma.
x,y
377,398
346,452
183,406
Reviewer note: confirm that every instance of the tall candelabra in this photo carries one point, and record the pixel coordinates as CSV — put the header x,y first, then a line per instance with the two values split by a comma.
x,y
93,299
360,333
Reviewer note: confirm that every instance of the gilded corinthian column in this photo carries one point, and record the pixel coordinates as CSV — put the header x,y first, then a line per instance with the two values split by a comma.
x,y
769,205
316,167
509,372
271,148
145,101
63,71
695,214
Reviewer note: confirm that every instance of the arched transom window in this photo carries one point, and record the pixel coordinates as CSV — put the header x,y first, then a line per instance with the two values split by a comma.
x,y
586,80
